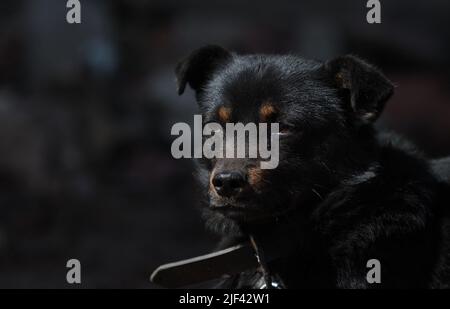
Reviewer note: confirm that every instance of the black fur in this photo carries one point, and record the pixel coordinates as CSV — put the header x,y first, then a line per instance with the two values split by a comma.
x,y
345,194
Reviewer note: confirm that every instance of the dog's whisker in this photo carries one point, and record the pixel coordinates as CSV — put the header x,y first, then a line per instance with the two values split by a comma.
x,y
317,193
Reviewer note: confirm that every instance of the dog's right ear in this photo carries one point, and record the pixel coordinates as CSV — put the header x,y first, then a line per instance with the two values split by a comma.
x,y
197,68
367,88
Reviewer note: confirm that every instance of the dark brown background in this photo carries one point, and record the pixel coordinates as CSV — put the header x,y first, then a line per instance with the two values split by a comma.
x,y
86,111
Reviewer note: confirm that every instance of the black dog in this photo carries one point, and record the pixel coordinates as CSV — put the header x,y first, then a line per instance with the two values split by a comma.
x,y
340,196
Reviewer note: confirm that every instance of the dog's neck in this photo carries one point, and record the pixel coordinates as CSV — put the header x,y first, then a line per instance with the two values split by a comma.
x,y
289,230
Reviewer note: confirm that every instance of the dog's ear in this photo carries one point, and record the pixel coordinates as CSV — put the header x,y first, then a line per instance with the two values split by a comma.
x,y
198,67
366,87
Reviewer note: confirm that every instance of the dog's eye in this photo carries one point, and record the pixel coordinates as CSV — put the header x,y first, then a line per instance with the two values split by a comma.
x,y
285,130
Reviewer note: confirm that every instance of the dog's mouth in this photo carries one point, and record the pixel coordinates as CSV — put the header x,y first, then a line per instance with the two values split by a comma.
x,y
239,214
240,203
233,208
229,207
241,210
249,209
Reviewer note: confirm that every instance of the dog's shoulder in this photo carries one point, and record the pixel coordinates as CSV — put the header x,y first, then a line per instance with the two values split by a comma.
x,y
400,182
388,210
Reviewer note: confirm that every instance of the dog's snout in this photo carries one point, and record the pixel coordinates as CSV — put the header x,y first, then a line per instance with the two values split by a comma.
x,y
229,184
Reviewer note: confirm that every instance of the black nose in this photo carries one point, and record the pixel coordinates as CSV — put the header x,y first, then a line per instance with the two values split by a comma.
x,y
228,184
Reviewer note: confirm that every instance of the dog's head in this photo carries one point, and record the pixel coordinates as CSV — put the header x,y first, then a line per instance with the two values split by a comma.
x,y
324,111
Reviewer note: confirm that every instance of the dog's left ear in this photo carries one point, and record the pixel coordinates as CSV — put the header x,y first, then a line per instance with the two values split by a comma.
x,y
367,87
198,67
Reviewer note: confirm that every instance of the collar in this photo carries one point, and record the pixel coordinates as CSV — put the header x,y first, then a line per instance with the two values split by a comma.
x,y
257,252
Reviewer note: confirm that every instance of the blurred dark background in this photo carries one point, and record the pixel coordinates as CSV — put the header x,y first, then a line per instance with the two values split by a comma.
x,y
86,111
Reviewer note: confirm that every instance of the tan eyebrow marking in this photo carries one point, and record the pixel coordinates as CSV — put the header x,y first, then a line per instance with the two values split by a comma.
x,y
224,113
267,112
